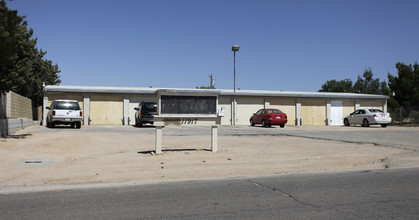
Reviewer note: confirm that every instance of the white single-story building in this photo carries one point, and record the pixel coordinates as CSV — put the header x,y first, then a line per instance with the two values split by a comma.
x,y
115,105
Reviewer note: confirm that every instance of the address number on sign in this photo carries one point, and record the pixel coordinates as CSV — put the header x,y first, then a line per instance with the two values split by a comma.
x,y
189,121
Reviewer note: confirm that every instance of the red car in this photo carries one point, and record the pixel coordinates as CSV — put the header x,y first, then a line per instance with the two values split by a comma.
x,y
269,117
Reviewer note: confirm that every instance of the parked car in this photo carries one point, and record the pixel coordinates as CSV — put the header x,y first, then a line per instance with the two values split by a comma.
x,y
145,113
269,117
367,117
66,112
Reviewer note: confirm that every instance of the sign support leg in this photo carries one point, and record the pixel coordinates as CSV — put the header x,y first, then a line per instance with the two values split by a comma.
x,y
214,138
159,132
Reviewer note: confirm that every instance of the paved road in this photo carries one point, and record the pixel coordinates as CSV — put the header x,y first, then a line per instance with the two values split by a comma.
x,y
387,194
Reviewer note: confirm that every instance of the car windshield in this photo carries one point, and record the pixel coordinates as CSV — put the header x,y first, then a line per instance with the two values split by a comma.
x,y
67,106
375,110
274,111
150,106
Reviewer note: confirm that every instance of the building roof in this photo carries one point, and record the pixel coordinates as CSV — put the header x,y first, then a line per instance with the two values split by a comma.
x,y
303,94
228,92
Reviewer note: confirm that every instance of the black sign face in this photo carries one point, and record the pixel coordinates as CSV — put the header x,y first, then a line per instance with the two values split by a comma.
x,y
206,105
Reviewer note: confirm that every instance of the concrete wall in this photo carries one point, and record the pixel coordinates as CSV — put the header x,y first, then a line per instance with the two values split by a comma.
x,y
13,106
225,102
3,106
15,113
37,113
21,106
372,104
9,126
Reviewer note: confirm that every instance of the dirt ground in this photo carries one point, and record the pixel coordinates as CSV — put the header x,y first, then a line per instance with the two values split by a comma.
x,y
31,158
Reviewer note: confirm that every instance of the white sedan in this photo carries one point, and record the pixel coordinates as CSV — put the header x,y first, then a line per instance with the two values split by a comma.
x,y
367,117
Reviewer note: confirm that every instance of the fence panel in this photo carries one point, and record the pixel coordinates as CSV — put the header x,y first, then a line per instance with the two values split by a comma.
x,y
405,115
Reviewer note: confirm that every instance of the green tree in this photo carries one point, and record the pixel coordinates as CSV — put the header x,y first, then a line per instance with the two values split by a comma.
x,y
368,85
365,84
23,67
405,86
337,86
9,27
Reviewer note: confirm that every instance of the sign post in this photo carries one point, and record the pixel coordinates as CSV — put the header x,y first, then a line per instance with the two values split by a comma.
x,y
159,136
214,138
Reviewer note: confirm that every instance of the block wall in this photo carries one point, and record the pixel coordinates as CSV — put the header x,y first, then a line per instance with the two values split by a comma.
x,y
21,107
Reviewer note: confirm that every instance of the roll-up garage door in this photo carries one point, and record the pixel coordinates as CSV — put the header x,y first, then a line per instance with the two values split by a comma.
x,y
106,110
313,112
285,105
246,106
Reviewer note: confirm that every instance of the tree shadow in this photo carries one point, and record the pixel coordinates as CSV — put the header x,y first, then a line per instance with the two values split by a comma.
x,y
144,126
18,136
172,150
62,127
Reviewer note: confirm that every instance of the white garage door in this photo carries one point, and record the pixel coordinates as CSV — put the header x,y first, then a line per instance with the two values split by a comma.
x,y
336,113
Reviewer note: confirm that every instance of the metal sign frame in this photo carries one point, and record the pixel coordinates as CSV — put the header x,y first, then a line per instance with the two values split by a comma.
x,y
162,120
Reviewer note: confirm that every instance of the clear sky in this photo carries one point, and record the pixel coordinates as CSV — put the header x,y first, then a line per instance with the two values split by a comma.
x,y
284,45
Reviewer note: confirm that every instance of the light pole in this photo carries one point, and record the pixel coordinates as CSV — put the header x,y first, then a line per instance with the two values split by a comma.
x,y
234,49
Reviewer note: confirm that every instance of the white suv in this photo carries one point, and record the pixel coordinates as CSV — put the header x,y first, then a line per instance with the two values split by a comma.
x,y
65,112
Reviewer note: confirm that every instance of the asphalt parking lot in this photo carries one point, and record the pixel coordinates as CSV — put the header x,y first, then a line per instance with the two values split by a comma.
x,y
398,137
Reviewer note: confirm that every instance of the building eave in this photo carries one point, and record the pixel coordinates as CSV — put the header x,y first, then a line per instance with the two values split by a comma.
x,y
225,92
294,94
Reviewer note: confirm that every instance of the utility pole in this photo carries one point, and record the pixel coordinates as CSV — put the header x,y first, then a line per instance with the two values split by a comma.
x,y
234,49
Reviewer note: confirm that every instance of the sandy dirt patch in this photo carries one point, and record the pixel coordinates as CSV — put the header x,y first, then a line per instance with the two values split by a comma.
x,y
71,155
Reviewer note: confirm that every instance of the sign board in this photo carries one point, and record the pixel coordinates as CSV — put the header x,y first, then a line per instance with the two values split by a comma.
x,y
178,104
197,107
187,107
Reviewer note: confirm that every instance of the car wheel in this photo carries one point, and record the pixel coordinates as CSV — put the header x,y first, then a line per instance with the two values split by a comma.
x,y
263,123
346,122
282,126
384,125
365,123
78,124
269,125
252,123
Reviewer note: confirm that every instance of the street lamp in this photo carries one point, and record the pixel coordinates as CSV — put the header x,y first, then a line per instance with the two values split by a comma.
x,y
234,49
